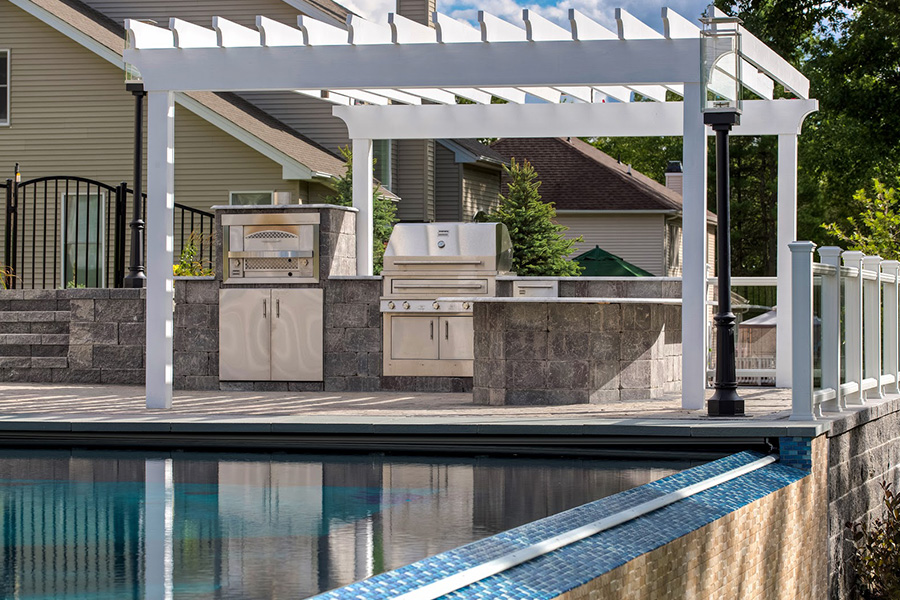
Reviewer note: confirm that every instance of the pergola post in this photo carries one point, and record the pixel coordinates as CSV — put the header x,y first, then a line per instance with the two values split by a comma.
x,y
693,283
160,245
362,201
786,233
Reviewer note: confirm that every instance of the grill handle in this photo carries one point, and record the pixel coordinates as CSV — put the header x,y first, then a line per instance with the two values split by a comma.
x,y
432,329
441,286
264,309
446,330
438,262
278,308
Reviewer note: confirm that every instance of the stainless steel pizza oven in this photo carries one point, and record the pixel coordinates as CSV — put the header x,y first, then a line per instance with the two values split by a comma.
x,y
426,265
271,248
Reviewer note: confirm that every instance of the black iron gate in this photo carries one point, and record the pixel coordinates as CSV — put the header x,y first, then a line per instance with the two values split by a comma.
x,y
65,231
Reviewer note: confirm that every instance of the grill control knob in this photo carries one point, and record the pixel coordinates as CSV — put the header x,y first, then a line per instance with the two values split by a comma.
x,y
391,305
435,306
406,305
465,306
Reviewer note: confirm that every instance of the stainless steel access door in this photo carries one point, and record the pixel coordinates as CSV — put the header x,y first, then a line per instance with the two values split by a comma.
x,y
457,338
297,335
244,337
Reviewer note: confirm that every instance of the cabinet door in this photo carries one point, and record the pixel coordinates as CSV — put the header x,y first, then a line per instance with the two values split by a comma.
x,y
297,335
414,338
244,335
457,338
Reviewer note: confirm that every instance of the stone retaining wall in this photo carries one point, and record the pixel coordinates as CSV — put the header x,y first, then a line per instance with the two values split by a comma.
x,y
863,450
575,353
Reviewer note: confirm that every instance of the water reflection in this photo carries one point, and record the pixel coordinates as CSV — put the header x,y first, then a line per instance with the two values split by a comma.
x,y
97,525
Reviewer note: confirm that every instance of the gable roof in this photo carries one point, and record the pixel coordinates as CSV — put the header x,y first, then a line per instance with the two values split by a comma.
x,y
468,150
299,155
577,176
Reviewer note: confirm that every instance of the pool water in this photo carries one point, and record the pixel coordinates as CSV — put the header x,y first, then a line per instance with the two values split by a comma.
x,y
98,525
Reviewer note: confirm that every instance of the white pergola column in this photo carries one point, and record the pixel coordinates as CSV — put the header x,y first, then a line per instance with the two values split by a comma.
x,y
787,233
159,519
160,247
693,284
362,201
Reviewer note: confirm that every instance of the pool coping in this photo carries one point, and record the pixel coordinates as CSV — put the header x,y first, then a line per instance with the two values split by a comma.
x,y
567,568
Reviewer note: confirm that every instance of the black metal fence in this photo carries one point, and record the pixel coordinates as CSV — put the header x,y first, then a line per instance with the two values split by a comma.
x,y
65,231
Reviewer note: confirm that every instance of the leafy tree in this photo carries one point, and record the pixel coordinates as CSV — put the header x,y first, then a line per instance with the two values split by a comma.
x,y
384,213
877,228
538,245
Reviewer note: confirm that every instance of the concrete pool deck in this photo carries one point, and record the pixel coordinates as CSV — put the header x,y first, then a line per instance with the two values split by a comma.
x,y
86,409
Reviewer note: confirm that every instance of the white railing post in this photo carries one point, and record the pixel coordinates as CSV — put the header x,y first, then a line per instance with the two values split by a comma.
x,y
872,326
853,326
831,325
802,332
891,363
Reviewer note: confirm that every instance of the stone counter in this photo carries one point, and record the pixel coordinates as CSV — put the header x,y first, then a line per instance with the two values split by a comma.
x,y
556,351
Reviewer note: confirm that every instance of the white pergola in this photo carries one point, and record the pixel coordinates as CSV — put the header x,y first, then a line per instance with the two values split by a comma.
x,y
401,80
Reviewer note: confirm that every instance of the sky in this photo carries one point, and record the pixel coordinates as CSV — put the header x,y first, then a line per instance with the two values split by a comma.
x,y
602,11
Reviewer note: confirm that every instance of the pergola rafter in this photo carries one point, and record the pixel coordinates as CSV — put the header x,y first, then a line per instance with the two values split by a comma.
x,y
402,80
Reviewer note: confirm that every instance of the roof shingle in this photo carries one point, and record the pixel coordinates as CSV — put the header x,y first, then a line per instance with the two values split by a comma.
x,y
577,176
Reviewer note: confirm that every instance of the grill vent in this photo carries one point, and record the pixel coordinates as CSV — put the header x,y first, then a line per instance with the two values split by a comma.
x,y
269,264
271,235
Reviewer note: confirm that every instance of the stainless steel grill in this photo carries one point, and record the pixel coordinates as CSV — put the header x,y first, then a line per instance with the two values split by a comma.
x,y
424,263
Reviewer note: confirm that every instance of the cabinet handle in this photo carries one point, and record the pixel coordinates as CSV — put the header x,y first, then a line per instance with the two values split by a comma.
x,y
446,330
432,330
278,308
264,309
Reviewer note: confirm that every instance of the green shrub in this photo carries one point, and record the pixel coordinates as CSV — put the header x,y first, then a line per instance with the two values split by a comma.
x,y
538,245
189,265
876,560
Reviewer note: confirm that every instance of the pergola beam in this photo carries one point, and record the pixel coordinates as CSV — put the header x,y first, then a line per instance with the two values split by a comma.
x,y
611,119
478,65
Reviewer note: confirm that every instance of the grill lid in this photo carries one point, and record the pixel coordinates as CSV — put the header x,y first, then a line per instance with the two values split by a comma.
x,y
449,246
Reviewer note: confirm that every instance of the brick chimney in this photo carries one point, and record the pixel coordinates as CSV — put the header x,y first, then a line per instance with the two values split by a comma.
x,y
417,10
674,175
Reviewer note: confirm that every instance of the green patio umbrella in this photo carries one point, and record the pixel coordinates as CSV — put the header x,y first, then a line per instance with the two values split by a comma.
x,y
600,263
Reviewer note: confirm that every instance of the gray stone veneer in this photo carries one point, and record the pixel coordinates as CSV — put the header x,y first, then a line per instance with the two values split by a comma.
x,y
863,450
575,353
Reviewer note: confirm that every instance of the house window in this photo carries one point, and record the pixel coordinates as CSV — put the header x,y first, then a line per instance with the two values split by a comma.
x,y
381,149
251,198
83,256
4,87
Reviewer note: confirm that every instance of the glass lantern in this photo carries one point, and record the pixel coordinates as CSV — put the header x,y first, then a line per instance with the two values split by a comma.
x,y
720,46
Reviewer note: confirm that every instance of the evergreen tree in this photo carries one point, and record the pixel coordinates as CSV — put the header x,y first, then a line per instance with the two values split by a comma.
x,y
538,245
384,213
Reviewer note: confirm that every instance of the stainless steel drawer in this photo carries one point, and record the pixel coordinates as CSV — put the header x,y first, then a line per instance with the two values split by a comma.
x,y
440,287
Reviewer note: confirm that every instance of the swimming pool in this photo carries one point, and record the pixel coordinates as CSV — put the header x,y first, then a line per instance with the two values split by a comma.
x,y
98,525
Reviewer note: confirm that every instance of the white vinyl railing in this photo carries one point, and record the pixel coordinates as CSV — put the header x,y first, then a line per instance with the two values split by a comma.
x,y
863,327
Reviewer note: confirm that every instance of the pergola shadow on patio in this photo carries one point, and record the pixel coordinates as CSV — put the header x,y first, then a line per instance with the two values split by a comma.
x,y
401,81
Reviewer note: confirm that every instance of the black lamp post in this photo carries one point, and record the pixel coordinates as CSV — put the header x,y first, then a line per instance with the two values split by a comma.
x,y
136,277
722,109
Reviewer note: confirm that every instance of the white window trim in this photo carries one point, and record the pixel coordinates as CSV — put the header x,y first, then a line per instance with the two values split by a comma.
x,y
231,195
5,122
101,240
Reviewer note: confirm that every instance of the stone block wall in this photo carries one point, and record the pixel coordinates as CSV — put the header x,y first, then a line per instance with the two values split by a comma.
x,y
863,450
353,334
604,287
575,353
770,549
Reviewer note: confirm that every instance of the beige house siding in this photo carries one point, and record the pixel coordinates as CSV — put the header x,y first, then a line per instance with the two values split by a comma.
x,y
195,11
414,181
417,10
309,116
639,239
674,247
446,185
479,190
70,115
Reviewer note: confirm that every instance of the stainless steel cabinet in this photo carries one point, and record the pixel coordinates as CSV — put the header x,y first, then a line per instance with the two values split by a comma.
x,y
422,338
270,335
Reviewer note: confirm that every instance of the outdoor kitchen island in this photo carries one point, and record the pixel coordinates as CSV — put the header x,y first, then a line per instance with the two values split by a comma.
x,y
553,351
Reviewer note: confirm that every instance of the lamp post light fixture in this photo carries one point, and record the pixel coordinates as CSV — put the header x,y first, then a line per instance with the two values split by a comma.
x,y
721,97
137,277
